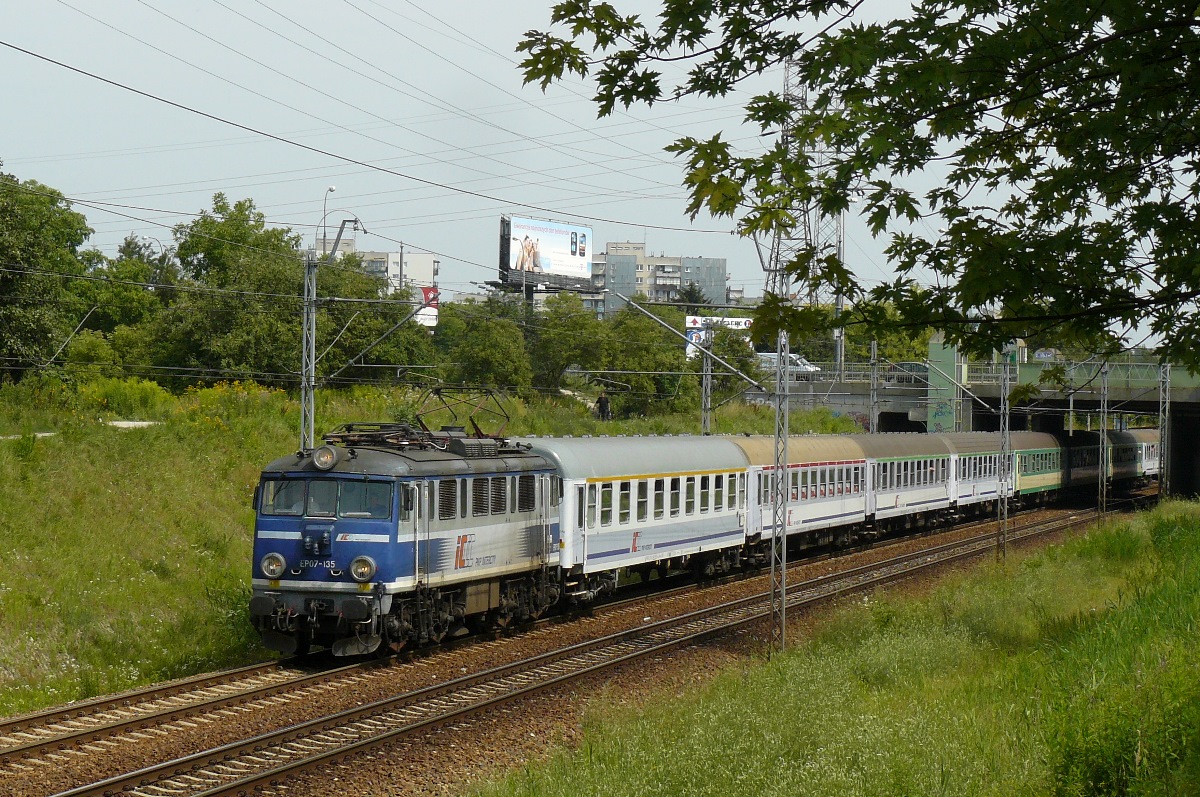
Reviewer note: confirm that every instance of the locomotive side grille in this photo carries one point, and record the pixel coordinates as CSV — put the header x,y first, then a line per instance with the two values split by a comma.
x,y
499,494
474,446
479,496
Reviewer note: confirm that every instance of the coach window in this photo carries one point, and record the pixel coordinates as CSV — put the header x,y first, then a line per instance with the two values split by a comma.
x,y
705,493
606,504
794,485
660,504
689,505
742,490
624,502
591,502
643,500
718,492
675,497
580,506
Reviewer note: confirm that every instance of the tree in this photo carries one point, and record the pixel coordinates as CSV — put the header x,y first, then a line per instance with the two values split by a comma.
x,y
122,291
1056,143
480,348
40,237
732,347
565,333
238,312
657,361
692,295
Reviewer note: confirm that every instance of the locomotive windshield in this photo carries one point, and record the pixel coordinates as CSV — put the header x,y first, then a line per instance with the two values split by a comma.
x,y
327,498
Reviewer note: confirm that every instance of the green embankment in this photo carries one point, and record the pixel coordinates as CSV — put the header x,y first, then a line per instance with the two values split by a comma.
x,y
1072,672
125,554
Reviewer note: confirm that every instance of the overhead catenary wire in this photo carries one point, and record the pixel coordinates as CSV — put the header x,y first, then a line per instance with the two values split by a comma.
x,y
337,156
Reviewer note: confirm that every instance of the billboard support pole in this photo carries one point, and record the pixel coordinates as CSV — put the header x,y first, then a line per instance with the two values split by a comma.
x,y
706,383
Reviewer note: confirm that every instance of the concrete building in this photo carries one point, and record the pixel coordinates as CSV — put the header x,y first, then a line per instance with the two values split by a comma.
x,y
400,269
625,268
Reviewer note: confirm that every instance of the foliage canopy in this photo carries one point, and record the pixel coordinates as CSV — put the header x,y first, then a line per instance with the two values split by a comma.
x,y
1051,144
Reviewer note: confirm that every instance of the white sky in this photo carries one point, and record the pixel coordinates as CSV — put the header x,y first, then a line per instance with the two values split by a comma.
x,y
428,90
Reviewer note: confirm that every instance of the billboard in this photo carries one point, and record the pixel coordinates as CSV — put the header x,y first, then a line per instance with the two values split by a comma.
x,y
694,326
551,248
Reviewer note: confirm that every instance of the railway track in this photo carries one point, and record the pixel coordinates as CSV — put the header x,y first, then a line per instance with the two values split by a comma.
x,y
250,765
108,721
91,721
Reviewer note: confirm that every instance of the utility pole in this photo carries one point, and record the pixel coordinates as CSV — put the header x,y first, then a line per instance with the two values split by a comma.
x,y
308,376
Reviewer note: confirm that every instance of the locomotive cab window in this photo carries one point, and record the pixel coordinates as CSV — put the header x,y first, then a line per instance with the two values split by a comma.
x,y
366,500
322,498
409,496
283,497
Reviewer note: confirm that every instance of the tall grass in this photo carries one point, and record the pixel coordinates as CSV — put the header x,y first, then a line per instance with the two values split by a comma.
x,y
126,552
1071,672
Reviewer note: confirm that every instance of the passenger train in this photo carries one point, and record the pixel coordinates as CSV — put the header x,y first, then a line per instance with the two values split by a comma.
x,y
389,535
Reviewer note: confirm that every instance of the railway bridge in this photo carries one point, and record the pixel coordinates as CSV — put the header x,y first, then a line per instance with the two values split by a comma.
x,y
947,392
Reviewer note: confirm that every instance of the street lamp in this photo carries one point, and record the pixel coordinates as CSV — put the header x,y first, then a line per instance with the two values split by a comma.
x,y
324,213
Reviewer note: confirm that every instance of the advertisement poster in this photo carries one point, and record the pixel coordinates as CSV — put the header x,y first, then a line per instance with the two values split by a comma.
x,y
549,247
428,316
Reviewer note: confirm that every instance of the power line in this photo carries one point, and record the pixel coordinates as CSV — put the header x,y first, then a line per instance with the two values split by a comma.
x,y
344,158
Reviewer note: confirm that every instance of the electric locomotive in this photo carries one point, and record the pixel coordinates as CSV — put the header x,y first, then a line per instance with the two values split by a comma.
x,y
389,534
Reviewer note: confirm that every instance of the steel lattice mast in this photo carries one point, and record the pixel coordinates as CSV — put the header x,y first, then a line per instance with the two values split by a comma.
x,y
814,235
1164,427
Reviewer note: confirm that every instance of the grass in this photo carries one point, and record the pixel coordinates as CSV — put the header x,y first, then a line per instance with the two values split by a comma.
x,y
1071,672
127,552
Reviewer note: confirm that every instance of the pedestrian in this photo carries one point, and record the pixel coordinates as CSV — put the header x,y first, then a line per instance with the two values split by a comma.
x,y
602,407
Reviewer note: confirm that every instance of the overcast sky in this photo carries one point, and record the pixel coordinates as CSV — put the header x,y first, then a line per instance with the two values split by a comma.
x,y
427,94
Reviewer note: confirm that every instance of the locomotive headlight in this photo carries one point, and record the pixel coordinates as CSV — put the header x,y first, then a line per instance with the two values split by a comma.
x,y
325,457
362,569
273,565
